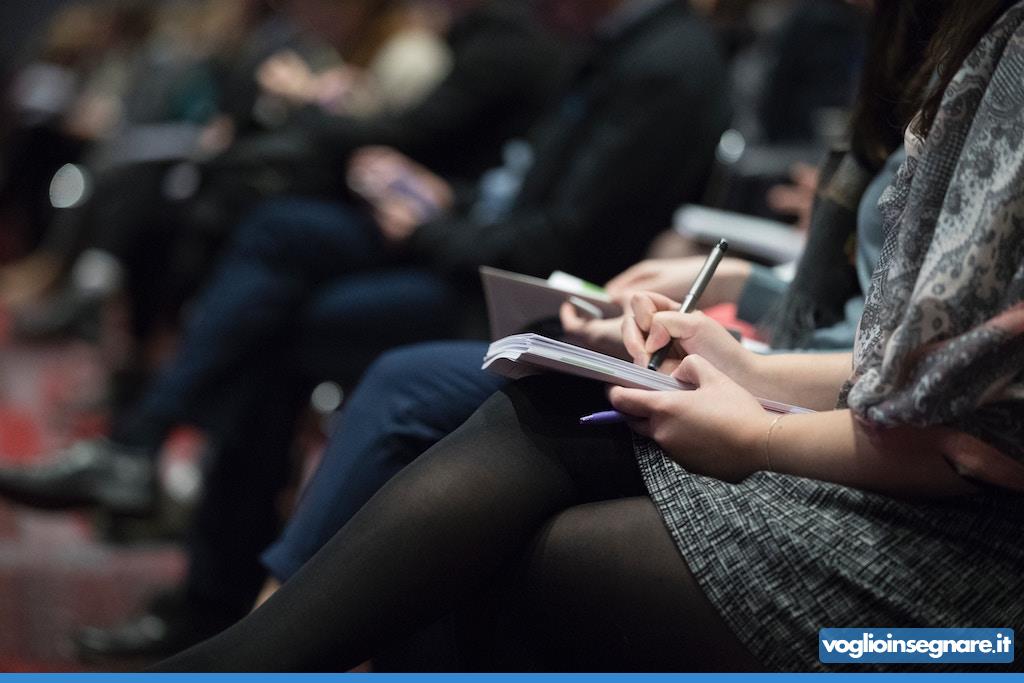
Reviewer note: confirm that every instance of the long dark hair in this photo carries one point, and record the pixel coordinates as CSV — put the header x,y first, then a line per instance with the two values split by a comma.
x,y
915,47
891,85
964,24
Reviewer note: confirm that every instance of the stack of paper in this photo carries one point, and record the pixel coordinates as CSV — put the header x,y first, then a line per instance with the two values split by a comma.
x,y
523,355
765,239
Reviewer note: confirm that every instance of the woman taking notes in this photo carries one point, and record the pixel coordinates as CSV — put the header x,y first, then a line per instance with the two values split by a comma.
x,y
709,534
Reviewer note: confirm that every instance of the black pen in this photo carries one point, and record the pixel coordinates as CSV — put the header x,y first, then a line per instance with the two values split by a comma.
x,y
690,302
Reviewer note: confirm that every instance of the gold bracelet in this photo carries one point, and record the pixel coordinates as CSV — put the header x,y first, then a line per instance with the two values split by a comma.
x,y
768,442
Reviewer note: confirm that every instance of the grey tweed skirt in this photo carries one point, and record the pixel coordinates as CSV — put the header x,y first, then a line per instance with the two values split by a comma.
x,y
782,557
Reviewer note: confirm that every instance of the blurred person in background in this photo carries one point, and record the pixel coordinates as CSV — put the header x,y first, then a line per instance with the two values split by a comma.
x,y
150,102
793,79
471,95
408,62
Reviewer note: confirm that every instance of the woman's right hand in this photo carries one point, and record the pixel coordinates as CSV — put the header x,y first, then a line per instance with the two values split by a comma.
x,y
656,321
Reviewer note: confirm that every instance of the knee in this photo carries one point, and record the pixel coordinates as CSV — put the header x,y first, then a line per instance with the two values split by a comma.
x,y
427,390
404,366
555,393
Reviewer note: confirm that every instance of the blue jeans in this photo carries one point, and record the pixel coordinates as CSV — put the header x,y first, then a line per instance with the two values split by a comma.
x,y
306,292
409,399
295,267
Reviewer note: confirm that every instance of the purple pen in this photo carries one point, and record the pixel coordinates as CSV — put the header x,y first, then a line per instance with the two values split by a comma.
x,y
606,417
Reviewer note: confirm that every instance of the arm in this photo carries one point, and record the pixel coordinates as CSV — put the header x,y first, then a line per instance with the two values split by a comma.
x,y
810,380
489,75
673,278
720,430
402,193
834,446
624,163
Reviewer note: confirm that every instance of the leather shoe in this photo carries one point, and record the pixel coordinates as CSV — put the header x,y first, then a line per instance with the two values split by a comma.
x,y
171,624
94,473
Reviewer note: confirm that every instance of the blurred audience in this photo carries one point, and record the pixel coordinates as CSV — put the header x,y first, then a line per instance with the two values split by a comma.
x,y
159,98
630,136
152,230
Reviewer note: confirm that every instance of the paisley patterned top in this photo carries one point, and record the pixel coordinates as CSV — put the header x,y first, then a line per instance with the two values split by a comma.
x,y
941,341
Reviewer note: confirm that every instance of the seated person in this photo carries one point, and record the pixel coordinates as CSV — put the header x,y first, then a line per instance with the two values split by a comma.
x,y
134,236
66,98
711,534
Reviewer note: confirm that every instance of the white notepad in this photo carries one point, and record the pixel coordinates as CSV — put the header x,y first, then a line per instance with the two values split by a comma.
x,y
523,355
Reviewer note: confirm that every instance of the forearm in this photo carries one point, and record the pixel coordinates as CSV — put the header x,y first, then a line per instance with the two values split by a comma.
x,y
810,380
832,446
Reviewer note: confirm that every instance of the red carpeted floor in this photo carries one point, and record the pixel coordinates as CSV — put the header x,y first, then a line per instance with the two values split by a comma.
x,y
56,570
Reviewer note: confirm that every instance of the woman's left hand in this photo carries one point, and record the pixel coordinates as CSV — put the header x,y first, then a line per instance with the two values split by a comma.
x,y
718,429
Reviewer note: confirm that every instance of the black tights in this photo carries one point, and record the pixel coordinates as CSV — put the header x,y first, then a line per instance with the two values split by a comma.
x,y
519,488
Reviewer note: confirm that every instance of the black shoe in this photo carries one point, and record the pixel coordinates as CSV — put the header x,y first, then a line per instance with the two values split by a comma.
x,y
171,624
97,473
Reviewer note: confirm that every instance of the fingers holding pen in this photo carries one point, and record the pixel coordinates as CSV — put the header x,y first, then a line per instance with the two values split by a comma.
x,y
646,305
635,340
636,327
672,326
699,372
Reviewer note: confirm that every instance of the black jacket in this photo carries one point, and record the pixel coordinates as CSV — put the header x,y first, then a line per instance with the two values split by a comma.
x,y
631,139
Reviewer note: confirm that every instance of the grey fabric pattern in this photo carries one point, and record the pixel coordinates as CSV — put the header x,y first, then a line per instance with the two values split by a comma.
x,y
941,343
943,327
782,557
